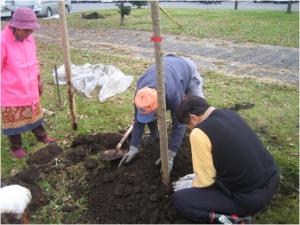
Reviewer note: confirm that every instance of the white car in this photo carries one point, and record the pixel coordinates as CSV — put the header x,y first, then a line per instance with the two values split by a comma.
x,y
45,8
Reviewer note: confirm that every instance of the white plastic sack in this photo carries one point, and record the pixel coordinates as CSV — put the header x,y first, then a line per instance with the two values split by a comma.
x,y
115,85
87,77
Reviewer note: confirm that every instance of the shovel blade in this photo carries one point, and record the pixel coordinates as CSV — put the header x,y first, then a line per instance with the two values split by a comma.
x,y
113,154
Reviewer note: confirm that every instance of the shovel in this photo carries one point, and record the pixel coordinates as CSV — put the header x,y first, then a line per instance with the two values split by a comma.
x,y
112,154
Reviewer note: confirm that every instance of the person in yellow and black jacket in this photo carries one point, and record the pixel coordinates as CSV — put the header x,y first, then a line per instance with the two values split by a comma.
x,y
234,175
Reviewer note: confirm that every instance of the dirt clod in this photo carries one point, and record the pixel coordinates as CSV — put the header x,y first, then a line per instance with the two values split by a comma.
x,y
39,199
244,105
90,164
77,191
69,208
28,176
44,155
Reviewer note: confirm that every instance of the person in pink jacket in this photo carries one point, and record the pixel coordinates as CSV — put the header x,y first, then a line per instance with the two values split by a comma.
x,y
21,85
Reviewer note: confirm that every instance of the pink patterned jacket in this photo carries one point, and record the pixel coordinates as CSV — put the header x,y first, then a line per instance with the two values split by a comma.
x,y
19,70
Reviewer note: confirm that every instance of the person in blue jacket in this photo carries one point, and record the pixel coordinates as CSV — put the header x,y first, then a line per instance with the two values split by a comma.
x,y
181,78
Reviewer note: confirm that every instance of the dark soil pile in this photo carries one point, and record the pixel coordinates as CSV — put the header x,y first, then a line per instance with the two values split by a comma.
x,y
134,193
44,155
84,145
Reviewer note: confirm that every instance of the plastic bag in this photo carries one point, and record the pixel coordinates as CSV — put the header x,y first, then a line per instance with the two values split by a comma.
x,y
87,77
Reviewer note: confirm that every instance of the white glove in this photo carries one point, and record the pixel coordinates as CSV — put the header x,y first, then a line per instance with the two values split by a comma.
x,y
129,155
14,199
171,156
182,184
191,176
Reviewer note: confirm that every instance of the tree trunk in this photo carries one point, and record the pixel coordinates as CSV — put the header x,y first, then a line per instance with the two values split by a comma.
x,y
236,3
66,53
289,7
122,21
162,122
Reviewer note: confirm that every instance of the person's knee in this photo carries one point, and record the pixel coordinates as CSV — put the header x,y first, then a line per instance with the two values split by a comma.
x,y
182,203
178,200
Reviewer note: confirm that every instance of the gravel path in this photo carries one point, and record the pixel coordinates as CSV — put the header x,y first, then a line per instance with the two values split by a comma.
x,y
266,62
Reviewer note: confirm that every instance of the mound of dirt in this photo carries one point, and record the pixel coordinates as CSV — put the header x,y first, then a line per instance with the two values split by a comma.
x,y
44,155
134,193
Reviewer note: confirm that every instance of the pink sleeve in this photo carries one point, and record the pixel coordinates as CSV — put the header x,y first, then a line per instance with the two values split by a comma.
x,y
3,55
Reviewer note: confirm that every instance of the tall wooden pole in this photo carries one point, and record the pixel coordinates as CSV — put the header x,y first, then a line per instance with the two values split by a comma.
x,y
66,53
162,122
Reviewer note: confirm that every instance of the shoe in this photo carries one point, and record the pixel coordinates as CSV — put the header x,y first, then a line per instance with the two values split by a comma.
x,y
48,140
19,153
229,219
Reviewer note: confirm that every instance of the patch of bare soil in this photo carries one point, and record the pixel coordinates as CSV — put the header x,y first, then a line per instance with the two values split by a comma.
x,y
134,193
244,105
44,155
38,162
84,145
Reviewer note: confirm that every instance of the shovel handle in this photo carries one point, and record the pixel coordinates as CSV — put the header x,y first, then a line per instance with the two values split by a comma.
x,y
119,145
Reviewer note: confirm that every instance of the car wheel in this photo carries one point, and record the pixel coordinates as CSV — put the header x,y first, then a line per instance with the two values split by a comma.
x,y
48,12
67,10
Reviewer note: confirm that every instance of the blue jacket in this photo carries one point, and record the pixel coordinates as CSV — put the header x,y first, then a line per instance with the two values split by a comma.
x,y
178,75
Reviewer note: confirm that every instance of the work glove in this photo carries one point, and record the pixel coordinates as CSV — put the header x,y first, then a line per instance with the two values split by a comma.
x,y
182,184
171,156
129,155
191,176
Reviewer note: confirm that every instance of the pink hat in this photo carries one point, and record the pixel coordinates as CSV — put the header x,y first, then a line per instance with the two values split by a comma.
x,y
24,18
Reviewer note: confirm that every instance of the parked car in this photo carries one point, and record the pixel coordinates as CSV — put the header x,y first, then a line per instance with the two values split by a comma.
x,y
44,8
210,2
6,8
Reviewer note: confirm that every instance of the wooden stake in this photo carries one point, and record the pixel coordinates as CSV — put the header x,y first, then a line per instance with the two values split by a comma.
x,y
57,86
170,17
65,45
162,122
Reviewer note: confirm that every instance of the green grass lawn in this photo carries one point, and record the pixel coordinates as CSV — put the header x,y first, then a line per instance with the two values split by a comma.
x,y
274,116
263,27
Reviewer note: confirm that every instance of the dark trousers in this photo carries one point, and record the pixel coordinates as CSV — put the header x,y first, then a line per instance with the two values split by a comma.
x,y
153,128
16,140
196,203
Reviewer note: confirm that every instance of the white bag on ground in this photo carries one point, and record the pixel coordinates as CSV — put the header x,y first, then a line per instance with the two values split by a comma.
x,y
87,77
117,83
